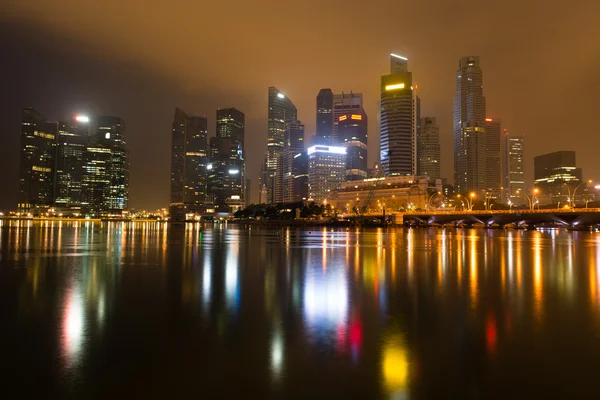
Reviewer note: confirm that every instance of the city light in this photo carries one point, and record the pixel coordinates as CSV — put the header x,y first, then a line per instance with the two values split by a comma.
x,y
280,95
234,171
397,56
326,149
394,87
82,118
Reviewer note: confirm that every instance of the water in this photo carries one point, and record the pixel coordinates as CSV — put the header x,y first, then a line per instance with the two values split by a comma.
x,y
149,311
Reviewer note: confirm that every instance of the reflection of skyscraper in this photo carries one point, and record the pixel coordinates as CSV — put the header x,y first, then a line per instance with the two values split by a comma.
x,y
293,144
469,127
36,174
352,133
188,158
428,152
281,111
324,129
397,123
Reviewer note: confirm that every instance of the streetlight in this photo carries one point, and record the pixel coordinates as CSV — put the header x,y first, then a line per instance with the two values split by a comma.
x,y
430,198
510,204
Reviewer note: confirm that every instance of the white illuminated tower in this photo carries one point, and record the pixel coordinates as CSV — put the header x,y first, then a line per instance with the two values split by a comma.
x,y
326,170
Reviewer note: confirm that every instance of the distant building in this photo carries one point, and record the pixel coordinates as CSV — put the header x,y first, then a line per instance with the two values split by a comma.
x,y
231,124
493,164
280,112
397,120
326,170
300,173
225,175
293,145
72,142
428,149
513,168
37,161
324,131
469,128
96,183
557,177
189,159
352,133
344,103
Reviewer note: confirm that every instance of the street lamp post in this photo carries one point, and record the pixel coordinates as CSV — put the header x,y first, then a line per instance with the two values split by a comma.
x,y
431,198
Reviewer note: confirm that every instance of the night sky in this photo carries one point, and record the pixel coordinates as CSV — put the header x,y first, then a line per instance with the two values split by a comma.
x,y
139,59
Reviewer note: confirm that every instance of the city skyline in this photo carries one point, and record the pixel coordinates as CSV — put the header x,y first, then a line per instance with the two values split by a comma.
x,y
88,89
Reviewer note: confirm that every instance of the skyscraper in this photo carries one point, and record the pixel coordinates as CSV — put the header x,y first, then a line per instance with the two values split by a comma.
x,y
352,133
37,158
325,116
188,159
229,156
110,134
513,168
428,152
300,173
469,127
326,170
493,164
293,145
230,124
344,103
397,120
557,176
281,111
70,165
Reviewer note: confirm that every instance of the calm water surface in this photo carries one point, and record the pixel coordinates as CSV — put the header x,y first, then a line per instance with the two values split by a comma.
x,y
149,311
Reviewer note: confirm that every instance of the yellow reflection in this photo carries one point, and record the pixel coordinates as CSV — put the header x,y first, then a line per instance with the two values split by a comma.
x,y
537,275
473,289
395,364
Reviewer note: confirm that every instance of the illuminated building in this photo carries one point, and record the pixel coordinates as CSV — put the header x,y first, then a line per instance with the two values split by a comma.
x,y
344,103
326,170
225,174
392,193
281,111
493,165
324,134
352,133
557,177
428,149
188,159
230,124
36,174
110,134
469,127
96,182
397,120
300,173
70,164
293,145
513,168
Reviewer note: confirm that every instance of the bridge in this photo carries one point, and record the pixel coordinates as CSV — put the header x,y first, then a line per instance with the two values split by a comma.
x,y
578,218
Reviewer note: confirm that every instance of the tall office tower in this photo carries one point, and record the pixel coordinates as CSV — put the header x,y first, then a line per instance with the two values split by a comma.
x,y
352,132
225,175
300,172
397,120
96,179
37,158
428,152
281,112
110,134
513,168
557,176
293,145
70,164
326,170
325,116
493,157
189,154
344,103
230,124
469,127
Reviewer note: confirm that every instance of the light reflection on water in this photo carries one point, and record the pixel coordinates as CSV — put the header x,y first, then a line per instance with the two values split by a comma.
x,y
360,314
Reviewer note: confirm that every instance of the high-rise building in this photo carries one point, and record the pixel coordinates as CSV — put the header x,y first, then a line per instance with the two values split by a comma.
x,y
96,179
513,168
68,178
293,145
281,111
110,134
324,131
428,151
300,173
326,170
352,133
557,176
189,156
230,124
397,120
493,164
225,175
469,127
344,103
37,161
